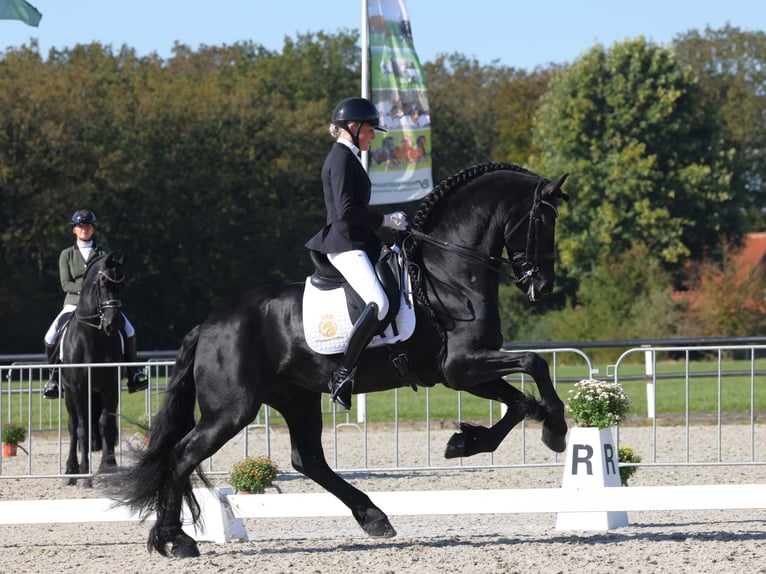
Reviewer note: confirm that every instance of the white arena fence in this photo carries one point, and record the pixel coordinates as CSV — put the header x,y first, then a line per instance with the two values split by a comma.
x,y
727,374
726,371
349,438
349,441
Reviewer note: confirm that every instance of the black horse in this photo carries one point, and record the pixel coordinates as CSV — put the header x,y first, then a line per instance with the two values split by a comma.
x,y
253,352
93,336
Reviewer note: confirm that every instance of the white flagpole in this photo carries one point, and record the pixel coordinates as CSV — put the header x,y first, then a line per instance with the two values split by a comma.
x,y
365,67
361,400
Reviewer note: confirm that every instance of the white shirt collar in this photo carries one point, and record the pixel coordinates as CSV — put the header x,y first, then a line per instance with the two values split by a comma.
x,y
350,145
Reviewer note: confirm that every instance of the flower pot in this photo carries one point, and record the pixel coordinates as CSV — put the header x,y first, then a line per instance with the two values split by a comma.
x,y
10,449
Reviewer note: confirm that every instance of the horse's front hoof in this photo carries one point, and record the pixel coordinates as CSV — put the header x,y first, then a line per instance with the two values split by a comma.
x,y
555,441
375,523
468,441
69,481
455,446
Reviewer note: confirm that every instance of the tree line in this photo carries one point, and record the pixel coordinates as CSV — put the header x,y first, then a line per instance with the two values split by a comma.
x,y
204,167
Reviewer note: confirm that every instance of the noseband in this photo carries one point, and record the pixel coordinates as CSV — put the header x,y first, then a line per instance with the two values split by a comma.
x,y
527,261
102,305
529,265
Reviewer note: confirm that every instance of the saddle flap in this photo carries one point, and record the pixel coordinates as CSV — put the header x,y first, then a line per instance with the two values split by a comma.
x,y
387,270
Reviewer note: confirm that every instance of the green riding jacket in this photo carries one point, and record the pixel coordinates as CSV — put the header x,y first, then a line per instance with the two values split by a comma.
x,y
72,269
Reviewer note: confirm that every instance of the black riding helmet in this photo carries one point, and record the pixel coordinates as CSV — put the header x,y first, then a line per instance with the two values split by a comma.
x,y
83,216
359,110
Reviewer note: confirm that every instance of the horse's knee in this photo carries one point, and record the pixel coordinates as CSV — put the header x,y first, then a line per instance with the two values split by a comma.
x,y
535,365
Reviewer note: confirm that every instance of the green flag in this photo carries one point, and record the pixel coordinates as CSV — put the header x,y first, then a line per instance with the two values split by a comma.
x,y
20,10
400,162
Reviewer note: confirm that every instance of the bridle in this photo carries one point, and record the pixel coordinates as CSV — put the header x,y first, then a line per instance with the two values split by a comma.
x,y
102,305
527,262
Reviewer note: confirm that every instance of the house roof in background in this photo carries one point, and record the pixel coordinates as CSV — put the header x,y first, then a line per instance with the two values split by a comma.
x,y
753,251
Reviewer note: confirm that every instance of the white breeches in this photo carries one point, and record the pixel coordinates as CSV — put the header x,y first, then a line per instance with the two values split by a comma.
x,y
51,335
360,274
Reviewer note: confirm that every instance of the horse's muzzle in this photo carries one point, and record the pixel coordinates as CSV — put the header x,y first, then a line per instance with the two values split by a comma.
x,y
539,289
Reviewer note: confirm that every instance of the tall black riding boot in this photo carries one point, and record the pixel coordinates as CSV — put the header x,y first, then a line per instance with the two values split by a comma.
x,y
137,379
342,382
51,390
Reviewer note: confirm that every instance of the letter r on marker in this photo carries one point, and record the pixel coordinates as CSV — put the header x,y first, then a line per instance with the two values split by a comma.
x,y
582,453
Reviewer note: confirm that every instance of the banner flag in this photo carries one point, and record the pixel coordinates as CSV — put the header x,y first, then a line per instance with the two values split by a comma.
x,y
20,10
400,160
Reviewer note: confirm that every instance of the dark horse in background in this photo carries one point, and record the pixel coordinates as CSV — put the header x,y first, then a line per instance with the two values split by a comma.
x,y
253,352
93,336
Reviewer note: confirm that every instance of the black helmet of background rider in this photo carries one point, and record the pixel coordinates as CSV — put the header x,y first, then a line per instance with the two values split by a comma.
x,y
356,110
83,216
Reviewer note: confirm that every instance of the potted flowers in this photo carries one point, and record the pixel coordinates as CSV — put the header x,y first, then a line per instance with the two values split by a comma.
x,y
592,461
628,456
252,474
12,435
594,403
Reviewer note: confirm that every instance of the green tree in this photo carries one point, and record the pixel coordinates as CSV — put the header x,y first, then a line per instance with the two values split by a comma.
x,y
731,66
203,168
625,296
514,107
645,162
475,109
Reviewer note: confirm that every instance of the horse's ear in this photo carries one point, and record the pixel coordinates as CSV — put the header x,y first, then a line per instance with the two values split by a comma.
x,y
553,188
117,257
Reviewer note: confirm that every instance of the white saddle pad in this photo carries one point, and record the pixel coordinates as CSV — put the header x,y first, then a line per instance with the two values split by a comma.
x,y
327,326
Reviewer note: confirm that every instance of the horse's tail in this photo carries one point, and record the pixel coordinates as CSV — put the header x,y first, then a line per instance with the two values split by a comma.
x,y
142,487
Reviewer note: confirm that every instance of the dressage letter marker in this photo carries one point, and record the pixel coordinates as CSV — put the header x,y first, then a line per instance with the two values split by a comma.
x,y
591,463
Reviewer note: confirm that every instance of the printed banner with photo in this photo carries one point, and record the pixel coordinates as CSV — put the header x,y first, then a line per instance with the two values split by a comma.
x,y
400,160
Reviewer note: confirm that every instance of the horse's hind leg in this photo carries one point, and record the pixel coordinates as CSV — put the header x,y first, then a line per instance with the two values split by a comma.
x,y
303,414
210,434
472,439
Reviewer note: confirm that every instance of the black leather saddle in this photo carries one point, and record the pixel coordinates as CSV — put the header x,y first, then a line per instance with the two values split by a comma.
x,y
327,277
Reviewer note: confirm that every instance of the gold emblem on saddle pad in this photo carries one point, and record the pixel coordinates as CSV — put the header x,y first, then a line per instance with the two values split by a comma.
x,y
327,326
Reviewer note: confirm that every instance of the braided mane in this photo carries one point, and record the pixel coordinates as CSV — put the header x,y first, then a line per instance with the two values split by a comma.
x,y
429,211
431,205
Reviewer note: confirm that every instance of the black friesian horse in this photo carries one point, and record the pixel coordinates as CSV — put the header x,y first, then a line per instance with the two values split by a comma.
x,y
253,352
93,336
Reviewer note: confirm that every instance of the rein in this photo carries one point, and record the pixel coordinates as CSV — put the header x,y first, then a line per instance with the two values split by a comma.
x,y
102,306
529,265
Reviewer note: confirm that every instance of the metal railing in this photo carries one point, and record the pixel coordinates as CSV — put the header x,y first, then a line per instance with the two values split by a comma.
x,y
372,446
718,373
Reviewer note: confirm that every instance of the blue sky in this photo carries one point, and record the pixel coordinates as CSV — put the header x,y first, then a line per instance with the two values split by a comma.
x,y
519,34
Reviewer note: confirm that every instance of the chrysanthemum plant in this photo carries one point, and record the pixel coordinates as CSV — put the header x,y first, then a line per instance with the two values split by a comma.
x,y
252,474
594,403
